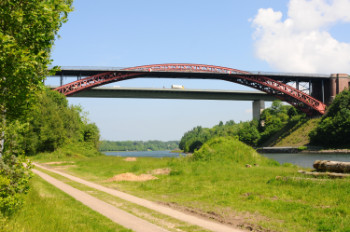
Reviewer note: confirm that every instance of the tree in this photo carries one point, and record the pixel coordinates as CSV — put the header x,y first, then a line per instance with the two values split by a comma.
x,y
249,133
334,128
52,123
27,32
92,134
273,119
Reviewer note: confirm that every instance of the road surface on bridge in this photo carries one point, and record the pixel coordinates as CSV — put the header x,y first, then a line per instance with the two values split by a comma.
x,y
163,93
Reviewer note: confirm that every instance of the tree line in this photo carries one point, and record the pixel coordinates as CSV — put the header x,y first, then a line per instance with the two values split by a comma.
x,y
50,124
333,130
254,133
153,145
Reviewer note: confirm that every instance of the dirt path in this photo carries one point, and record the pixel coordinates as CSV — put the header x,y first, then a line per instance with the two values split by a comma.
x,y
204,223
116,215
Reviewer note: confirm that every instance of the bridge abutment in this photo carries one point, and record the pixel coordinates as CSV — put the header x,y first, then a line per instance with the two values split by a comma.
x,y
258,107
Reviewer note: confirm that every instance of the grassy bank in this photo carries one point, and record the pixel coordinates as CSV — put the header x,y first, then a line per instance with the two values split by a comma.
x,y
49,209
298,135
222,187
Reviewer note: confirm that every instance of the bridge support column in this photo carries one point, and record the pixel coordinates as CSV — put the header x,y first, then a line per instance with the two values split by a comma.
x,y
338,83
258,107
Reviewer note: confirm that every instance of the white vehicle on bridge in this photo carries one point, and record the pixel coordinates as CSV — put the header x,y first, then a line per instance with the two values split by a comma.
x,y
177,87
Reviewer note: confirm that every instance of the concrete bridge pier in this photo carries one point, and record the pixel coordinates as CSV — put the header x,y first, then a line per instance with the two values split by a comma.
x,y
338,83
258,107
326,90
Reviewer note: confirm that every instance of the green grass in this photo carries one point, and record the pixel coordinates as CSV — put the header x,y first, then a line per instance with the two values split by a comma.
x,y
48,209
154,217
298,135
223,186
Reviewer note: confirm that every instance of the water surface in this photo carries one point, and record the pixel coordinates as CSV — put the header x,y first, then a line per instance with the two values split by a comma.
x,y
300,159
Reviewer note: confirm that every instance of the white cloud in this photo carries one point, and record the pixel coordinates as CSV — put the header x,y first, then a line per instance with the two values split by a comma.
x,y
302,42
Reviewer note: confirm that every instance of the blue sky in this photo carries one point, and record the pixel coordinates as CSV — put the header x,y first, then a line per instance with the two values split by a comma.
x,y
238,34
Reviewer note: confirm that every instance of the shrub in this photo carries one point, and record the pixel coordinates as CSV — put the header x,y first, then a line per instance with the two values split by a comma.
x,y
14,178
228,149
334,128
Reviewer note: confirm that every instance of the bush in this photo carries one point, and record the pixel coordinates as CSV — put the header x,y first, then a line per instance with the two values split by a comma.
x,y
14,178
334,128
49,125
228,149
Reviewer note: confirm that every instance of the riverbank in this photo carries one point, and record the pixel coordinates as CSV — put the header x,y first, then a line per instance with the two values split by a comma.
x,y
328,151
302,149
229,192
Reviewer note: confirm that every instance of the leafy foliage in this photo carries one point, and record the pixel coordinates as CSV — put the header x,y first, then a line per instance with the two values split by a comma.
x,y
27,32
52,123
273,119
14,179
228,149
246,132
253,133
334,128
153,145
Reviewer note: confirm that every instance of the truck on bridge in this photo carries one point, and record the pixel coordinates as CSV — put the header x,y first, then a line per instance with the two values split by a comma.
x,y
177,87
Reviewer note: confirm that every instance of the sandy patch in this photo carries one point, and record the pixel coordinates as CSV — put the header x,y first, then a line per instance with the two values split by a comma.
x,y
130,159
132,177
161,171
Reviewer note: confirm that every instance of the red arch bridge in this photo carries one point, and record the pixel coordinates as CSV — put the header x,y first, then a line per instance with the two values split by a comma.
x,y
321,88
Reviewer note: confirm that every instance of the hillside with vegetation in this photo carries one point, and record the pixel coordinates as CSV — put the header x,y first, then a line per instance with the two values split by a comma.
x,y
283,126
273,122
333,130
298,135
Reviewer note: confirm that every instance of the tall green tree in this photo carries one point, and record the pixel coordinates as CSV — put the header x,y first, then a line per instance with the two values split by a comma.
x,y
53,123
334,129
27,32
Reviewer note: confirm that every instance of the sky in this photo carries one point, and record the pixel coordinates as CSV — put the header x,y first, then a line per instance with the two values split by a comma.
x,y
300,36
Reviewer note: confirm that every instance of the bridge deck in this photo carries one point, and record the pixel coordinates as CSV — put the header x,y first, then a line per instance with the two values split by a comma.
x,y
156,93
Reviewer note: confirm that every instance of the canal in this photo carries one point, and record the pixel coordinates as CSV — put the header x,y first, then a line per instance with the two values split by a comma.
x,y
300,159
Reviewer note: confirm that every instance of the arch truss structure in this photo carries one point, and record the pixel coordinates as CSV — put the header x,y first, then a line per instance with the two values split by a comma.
x,y
284,92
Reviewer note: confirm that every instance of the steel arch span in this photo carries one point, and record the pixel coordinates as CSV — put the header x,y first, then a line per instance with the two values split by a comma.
x,y
284,92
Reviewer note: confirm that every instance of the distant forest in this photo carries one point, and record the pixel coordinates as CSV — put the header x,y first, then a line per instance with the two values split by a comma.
x,y
153,145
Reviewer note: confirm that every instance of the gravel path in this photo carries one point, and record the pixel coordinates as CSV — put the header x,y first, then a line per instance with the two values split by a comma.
x,y
204,223
116,215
